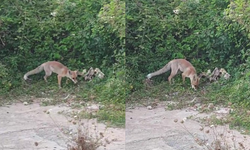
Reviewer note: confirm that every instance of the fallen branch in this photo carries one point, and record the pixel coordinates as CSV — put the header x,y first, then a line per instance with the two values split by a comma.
x,y
216,74
91,74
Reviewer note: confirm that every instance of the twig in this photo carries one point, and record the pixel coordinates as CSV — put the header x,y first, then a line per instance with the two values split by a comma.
x,y
2,41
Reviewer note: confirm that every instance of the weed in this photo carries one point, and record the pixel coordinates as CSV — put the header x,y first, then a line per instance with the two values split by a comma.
x,y
87,139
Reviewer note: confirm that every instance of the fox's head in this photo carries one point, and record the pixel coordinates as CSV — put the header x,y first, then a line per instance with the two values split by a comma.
x,y
73,75
195,82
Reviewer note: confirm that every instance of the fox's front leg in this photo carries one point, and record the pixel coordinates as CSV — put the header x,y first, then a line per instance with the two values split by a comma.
x,y
59,81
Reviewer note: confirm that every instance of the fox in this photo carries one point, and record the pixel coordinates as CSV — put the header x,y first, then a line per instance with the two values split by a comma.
x,y
56,67
184,66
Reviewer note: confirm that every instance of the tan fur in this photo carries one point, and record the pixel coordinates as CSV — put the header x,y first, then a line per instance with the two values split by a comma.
x,y
175,65
56,67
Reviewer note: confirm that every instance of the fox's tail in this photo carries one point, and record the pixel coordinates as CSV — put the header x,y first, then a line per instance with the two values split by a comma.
x,y
35,71
161,71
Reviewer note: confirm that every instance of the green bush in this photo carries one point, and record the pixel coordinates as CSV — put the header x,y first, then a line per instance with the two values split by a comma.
x,y
5,83
77,33
200,31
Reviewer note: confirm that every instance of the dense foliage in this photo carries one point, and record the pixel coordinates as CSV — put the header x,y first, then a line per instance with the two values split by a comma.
x,y
207,33
78,33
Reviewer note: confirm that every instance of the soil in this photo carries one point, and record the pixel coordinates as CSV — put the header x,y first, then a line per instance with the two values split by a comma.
x,y
155,128
35,127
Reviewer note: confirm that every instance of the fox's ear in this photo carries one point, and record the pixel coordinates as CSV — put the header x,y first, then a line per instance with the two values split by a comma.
x,y
70,72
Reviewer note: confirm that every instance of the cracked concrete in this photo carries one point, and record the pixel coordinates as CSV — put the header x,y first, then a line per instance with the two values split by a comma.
x,y
35,127
158,129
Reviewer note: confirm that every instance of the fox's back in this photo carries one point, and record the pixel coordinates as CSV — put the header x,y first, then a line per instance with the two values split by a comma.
x,y
55,66
182,64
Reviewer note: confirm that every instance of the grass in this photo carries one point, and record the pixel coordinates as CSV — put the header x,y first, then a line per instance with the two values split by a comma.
x,y
164,92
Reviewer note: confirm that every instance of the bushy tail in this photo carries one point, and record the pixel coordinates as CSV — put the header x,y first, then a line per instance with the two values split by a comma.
x,y
161,71
35,71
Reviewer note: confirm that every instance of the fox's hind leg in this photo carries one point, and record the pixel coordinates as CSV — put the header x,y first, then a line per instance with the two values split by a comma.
x,y
48,73
173,73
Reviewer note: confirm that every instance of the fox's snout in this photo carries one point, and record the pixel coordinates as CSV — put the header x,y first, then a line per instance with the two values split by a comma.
x,y
73,76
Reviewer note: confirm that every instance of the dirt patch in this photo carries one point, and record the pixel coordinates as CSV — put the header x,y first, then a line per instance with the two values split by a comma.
x,y
29,127
161,129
